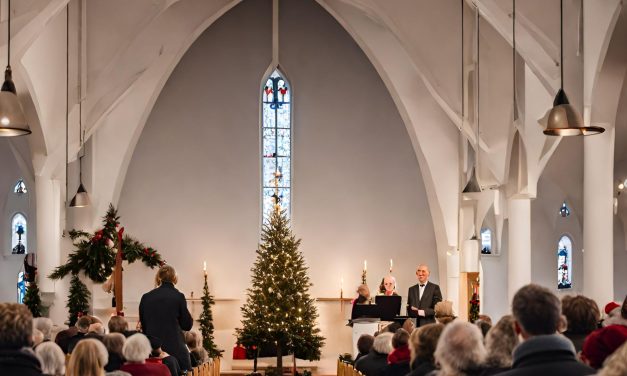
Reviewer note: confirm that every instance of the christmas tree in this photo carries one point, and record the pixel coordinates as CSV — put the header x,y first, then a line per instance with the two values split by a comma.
x,y
278,310
32,299
78,300
206,323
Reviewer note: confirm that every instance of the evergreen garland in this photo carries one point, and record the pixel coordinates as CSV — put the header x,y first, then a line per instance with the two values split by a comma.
x,y
78,300
206,323
32,299
279,310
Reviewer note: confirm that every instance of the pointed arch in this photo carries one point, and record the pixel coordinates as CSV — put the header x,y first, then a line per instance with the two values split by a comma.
x,y
19,234
564,262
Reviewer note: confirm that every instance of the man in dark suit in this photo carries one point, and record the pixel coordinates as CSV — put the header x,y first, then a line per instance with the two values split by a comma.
x,y
422,297
163,314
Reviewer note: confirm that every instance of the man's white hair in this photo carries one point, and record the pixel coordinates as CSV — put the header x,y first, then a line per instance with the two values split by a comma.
x,y
460,348
136,348
383,343
44,325
51,358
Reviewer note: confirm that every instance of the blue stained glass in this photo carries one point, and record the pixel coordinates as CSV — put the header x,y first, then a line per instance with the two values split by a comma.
x,y
269,116
268,201
269,142
269,168
564,263
283,142
284,168
21,287
283,116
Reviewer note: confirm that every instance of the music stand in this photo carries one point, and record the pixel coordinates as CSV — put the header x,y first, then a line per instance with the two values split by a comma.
x,y
363,311
389,306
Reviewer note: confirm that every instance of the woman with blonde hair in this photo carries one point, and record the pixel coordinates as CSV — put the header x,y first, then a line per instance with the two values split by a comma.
x,y
88,359
444,312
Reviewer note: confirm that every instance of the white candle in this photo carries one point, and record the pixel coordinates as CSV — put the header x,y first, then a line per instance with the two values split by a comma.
x,y
204,267
365,265
391,265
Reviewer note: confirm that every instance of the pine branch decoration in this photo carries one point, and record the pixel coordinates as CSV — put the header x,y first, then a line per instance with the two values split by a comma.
x,y
206,323
32,299
78,300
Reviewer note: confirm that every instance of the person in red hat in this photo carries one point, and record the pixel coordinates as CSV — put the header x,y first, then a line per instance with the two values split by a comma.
x,y
602,343
613,314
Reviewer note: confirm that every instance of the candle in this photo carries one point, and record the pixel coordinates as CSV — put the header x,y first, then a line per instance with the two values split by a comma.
x,y
391,266
365,265
204,267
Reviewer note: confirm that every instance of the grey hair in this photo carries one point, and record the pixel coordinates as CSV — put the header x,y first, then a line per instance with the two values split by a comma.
x,y
383,343
51,358
44,325
500,342
38,337
460,348
137,348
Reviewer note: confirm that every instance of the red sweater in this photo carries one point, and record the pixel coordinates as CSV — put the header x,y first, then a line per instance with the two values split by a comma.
x,y
401,354
146,369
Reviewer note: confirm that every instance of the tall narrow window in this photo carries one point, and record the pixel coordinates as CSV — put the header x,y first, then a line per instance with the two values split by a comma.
x,y
18,234
486,241
564,263
21,287
276,143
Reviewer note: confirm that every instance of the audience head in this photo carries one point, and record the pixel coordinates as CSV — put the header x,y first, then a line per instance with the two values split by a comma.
x,y
364,343
460,348
486,318
602,343
392,327
44,325
166,274
582,314
363,290
51,358
423,341
114,342
383,343
389,284
400,338
136,348
16,326
409,325
88,359
615,364
537,311
97,328
155,345
444,312
82,324
484,326
117,324
422,272
38,337
612,309
500,343
192,339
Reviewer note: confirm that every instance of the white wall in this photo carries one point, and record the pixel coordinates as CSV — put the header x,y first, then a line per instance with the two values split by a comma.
x,y
192,187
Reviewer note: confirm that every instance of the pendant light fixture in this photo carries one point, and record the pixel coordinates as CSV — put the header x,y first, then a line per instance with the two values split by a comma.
x,y
81,199
473,185
12,120
564,120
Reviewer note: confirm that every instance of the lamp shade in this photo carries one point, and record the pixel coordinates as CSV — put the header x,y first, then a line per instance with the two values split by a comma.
x,y
81,199
564,120
12,119
473,184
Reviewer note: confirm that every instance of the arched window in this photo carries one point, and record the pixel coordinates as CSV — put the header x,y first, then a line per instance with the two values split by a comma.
x,y
18,234
20,188
21,287
486,241
564,263
276,143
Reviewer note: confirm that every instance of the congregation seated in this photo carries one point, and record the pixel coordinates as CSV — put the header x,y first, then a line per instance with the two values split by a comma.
x,y
484,326
376,361
444,312
113,343
460,350
44,325
118,324
398,359
197,353
602,343
136,350
364,345
582,318
82,326
422,345
38,337
16,330
88,359
500,343
159,356
52,359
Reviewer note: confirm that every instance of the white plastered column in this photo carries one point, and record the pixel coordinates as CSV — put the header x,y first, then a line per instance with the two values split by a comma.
x,y
48,229
519,250
598,229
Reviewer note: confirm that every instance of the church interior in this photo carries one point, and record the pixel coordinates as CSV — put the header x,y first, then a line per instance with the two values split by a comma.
x,y
413,132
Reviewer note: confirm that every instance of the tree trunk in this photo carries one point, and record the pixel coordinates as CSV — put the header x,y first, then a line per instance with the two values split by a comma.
x,y
279,359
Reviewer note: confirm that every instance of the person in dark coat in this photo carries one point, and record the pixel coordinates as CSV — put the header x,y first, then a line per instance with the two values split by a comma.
x,y
163,314
16,331
422,344
364,345
582,318
537,315
398,359
375,363
422,297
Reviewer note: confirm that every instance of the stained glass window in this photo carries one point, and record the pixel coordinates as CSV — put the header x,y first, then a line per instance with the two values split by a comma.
x,y
18,234
20,188
564,263
276,147
486,241
21,287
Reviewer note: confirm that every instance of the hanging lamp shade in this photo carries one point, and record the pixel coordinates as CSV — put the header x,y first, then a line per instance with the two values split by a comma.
x,y
473,185
81,199
564,119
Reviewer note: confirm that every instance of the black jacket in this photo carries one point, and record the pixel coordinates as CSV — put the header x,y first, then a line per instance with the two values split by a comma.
x,y
397,369
163,314
430,297
421,367
373,364
547,355
19,362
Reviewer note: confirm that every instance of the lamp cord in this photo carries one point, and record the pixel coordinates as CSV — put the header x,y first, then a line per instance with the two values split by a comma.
x,y
478,89
9,36
514,53
562,44
67,94
462,65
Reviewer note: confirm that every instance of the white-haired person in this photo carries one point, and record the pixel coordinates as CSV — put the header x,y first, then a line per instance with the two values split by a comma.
x,y
136,350
52,359
460,350
375,363
44,325
38,337
500,342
